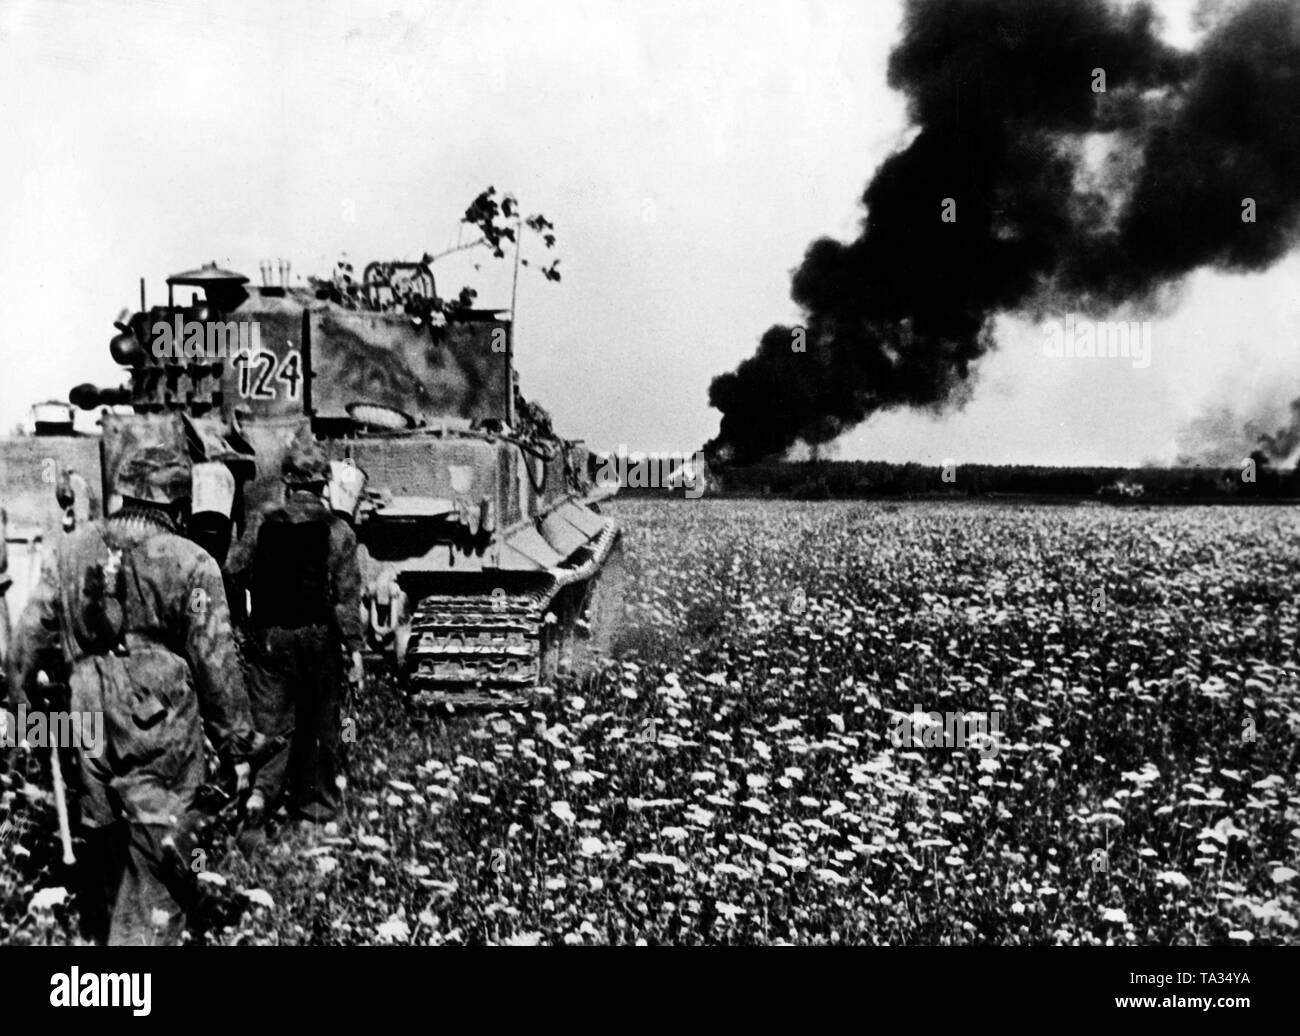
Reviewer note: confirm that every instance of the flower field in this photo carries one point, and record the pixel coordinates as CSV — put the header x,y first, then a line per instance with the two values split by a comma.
x,y
730,775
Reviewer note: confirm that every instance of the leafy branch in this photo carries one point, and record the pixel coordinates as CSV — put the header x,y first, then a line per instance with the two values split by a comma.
x,y
499,223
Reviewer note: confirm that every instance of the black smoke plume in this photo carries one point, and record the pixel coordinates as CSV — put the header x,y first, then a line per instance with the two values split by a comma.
x,y
1063,195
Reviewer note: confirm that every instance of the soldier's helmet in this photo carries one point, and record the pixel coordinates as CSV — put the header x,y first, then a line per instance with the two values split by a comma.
x,y
160,474
305,463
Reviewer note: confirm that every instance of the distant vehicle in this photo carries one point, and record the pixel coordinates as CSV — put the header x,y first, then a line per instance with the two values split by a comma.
x,y
1123,489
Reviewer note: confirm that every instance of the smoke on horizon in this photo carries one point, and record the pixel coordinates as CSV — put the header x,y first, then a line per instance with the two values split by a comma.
x,y
1063,197
1225,434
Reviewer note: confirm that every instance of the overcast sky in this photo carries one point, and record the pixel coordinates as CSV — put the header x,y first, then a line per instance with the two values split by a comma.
x,y
686,152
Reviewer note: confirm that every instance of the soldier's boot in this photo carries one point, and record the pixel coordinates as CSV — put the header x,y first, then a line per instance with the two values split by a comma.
x,y
102,860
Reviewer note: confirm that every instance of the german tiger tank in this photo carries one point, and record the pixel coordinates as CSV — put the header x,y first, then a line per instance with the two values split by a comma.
x,y
488,567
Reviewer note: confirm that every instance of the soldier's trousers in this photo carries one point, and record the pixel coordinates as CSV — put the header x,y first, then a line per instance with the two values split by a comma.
x,y
137,790
137,891
296,683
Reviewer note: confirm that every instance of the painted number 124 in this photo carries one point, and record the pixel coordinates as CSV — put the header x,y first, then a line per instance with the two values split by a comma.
x,y
259,371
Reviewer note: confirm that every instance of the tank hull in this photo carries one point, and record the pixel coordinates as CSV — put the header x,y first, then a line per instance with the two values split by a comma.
x,y
480,540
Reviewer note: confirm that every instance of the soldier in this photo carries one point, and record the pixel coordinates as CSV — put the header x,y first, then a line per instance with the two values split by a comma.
x,y
306,631
138,614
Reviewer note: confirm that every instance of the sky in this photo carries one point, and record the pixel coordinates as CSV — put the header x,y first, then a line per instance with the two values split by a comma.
x,y
687,154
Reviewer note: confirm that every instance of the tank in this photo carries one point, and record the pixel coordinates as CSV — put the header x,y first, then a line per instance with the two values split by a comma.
x,y
488,567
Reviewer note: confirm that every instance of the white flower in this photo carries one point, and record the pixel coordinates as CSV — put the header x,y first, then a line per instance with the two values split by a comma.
x,y
563,810
393,930
662,858
47,898
259,897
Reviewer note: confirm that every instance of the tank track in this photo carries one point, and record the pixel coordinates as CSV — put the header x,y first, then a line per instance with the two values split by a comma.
x,y
485,649
477,649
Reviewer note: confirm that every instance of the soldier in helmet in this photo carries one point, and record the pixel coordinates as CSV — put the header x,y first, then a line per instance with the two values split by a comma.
x,y
138,615
306,639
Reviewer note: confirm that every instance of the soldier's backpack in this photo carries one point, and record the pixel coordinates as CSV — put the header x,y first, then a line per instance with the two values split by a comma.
x,y
290,583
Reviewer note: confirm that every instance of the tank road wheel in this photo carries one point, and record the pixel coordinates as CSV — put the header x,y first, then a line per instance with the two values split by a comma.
x,y
601,612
